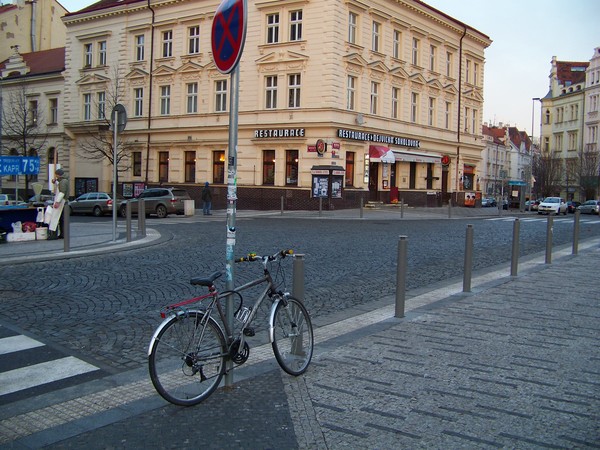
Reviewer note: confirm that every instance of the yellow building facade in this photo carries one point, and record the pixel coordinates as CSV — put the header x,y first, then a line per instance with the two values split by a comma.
x,y
375,100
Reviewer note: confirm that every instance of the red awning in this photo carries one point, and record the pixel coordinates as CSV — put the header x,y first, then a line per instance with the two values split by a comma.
x,y
379,153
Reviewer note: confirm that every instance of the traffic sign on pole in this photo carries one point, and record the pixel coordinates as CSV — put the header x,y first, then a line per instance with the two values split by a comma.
x,y
229,34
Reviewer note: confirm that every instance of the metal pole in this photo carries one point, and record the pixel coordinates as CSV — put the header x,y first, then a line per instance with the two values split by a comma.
x,y
320,206
576,232
67,227
549,233
231,204
402,208
361,207
450,209
114,190
401,277
515,249
468,259
282,205
127,220
142,217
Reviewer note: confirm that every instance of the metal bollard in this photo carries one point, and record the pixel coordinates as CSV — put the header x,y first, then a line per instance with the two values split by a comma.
x,y
401,277
282,205
515,249
298,277
576,232
361,207
128,221
320,206
142,218
468,259
402,208
67,228
450,209
549,234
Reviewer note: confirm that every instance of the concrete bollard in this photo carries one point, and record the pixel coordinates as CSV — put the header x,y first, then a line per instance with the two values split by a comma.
x,y
514,262
549,235
576,232
401,277
67,227
468,259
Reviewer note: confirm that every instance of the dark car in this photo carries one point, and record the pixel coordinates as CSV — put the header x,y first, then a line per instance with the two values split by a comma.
x,y
488,202
96,203
159,201
572,206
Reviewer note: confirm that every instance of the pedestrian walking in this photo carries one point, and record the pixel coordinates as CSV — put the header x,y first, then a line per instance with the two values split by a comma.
x,y
206,199
61,196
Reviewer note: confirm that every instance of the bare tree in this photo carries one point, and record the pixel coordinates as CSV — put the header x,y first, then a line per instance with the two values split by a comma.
x,y
547,171
21,132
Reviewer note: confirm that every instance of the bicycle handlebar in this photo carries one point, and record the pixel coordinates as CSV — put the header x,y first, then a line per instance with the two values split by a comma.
x,y
254,257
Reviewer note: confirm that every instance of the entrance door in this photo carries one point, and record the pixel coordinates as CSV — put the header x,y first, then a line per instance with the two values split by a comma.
x,y
373,182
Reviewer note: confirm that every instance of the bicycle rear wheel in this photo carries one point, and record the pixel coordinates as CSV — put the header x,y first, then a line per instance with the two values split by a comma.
x,y
186,358
292,336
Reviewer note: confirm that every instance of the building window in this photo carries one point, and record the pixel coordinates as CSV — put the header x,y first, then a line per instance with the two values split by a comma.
x,y
474,122
475,74
547,115
375,36
269,167
431,112
138,109
350,169
296,26
87,107
547,144
221,96
291,167
139,47
432,57
351,102
192,98
466,120
101,105
102,53
87,56
271,92
352,26
415,52
33,113
165,100
395,102
414,107
219,167
294,90
190,167
468,71
448,115
397,44
272,28
137,164
448,64
194,40
163,167
572,140
374,97
53,110
167,44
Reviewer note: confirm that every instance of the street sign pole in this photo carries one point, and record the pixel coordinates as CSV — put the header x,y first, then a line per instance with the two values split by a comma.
x,y
114,189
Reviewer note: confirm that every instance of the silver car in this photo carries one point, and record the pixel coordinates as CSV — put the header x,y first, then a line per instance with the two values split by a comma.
x,y
96,203
159,201
589,207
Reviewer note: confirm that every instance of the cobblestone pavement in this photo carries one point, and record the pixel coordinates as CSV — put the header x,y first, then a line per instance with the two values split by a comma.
x,y
433,356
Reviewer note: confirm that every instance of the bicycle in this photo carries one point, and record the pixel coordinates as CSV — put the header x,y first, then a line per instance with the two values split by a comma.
x,y
189,350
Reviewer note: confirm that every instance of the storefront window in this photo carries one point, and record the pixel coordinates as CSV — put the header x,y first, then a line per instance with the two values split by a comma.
x,y
163,167
291,167
190,167
219,167
269,167
350,168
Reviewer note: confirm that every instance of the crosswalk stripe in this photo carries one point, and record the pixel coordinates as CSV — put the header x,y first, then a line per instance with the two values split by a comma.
x,y
46,372
17,343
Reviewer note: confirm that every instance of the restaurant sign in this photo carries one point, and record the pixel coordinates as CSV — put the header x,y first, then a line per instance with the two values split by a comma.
x,y
273,133
378,138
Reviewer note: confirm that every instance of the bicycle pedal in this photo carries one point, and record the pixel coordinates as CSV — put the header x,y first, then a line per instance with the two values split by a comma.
x,y
249,332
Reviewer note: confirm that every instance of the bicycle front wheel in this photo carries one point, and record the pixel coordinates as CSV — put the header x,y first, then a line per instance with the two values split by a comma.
x,y
187,358
292,336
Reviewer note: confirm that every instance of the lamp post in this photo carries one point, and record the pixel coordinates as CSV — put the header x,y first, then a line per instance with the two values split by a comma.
x,y
530,177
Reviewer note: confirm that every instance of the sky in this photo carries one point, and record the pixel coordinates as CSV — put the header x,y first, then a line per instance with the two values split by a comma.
x,y
526,34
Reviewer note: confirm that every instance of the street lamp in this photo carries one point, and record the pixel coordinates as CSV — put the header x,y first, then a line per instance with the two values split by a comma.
x,y
529,180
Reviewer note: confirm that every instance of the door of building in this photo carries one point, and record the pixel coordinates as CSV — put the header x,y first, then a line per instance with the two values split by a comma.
x,y
373,182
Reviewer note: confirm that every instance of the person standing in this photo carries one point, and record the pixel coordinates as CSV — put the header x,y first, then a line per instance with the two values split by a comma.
x,y
61,195
206,199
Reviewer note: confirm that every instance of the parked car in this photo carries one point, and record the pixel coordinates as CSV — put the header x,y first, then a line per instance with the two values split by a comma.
x,y
554,205
9,200
43,200
488,202
159,201
96,203
572,206
589,207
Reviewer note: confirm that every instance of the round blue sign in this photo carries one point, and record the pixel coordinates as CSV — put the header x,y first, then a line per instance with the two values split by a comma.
x,y
229,34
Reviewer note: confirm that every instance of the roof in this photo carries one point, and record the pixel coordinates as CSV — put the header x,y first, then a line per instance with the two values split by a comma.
x,y
44,61
102,4
571,72
517,137
498,134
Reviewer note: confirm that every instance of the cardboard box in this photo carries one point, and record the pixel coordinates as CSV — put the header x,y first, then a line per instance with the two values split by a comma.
x,y
20,237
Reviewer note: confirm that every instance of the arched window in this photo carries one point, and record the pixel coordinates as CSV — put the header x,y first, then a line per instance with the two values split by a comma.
x,y
51,154
547,117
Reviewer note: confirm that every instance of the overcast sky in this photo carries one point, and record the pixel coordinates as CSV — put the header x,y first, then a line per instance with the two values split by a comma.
x,y
526,35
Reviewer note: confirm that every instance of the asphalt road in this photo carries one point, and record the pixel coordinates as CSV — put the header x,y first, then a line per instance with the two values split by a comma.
x,y
103,309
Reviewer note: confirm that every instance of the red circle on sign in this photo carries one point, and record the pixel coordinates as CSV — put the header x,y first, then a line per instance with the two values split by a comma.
x,y
229,34
445,160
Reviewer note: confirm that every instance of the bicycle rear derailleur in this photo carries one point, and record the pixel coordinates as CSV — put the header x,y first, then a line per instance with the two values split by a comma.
x,y
237,355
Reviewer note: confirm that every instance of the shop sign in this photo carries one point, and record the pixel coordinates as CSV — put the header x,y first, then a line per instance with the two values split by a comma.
x,y
274,133
378,138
